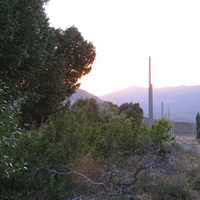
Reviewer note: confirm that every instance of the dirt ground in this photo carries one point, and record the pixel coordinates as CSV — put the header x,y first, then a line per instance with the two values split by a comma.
x,y
189,142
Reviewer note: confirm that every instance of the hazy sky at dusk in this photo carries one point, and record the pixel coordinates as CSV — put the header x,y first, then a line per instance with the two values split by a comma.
x,y
125,33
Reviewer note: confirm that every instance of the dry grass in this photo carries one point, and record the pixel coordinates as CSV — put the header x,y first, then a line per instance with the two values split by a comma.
x,y
172,175
188,141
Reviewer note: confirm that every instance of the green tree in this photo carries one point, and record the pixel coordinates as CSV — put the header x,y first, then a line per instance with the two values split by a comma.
x,y
159,133
23,40
88,108
10,133
23,43
78,56
133,111
45,63
107,111
198,125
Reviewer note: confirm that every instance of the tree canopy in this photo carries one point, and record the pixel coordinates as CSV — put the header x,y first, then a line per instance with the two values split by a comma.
x,y
133,111
42,62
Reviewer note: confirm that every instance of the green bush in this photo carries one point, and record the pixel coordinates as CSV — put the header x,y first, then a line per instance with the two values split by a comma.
x,y
159,133
81,139
10,132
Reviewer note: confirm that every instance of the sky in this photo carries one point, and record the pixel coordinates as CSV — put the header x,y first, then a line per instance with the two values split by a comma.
x,y
126,32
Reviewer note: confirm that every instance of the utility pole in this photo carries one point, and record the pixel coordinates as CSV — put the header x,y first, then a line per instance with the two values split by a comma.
x,y
162,110
150,120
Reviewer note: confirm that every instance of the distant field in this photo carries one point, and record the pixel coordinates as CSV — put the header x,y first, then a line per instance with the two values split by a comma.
x,y
188,141
184,128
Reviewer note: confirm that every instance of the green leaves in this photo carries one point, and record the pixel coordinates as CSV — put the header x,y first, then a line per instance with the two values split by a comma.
x,y
160,132
40,60
9,132
133,111
23,31
81,133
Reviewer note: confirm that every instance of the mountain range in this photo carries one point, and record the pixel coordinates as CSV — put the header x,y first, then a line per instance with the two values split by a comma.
x,y
180,103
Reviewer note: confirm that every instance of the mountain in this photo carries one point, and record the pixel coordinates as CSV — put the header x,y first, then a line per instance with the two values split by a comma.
x,y
82,94
182,103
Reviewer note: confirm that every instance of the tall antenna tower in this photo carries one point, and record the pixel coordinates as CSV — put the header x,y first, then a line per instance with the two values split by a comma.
x,y
150,120
162,110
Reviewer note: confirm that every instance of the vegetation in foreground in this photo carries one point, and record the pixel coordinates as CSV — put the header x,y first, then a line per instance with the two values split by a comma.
x,y
89,152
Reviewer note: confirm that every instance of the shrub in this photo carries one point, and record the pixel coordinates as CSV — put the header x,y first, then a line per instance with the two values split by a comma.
x,y
159,133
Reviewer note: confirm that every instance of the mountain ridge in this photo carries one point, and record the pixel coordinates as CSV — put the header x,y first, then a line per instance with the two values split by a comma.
x,y
80,93
182,101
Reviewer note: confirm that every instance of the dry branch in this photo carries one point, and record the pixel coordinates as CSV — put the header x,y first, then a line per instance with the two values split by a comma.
x,y
69,172
62,170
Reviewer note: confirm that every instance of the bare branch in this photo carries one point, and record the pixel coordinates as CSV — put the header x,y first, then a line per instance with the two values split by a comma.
x,y
71,171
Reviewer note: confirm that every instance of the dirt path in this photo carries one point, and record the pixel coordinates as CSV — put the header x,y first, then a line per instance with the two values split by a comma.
x,y
189,142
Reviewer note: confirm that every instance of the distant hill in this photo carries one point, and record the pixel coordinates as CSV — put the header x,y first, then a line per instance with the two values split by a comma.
x,y
82,94
183,101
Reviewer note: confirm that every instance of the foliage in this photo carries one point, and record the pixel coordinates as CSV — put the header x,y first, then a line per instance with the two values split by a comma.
x,y
107,110
23,39
43,62
87,107
10,133
133,111
76,53
83,148
159,132
198,125
9,125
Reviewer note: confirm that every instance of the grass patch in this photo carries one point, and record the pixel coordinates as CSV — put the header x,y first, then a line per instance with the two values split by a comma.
x,y
170,176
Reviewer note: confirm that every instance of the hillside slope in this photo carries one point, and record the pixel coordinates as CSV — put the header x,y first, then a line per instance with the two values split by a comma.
x,y
82,94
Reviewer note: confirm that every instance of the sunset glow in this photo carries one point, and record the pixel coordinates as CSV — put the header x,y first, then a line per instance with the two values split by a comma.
x,y
126,33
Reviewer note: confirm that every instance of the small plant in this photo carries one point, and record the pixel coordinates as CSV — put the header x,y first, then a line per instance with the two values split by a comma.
x,y
159,132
